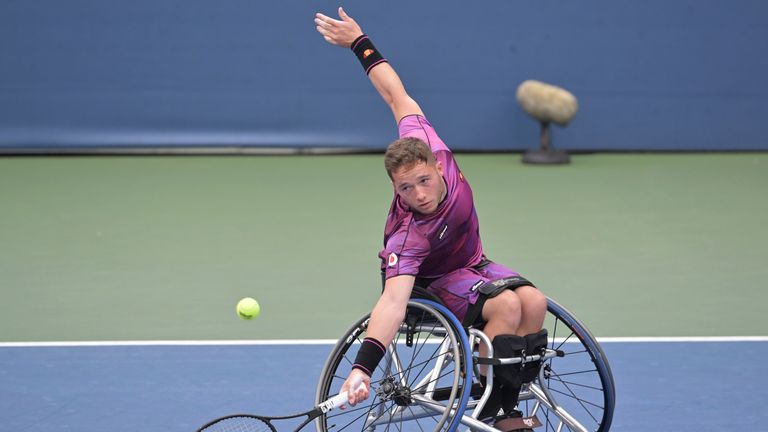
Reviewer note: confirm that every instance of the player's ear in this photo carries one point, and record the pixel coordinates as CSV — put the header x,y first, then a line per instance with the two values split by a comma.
x,y
439,167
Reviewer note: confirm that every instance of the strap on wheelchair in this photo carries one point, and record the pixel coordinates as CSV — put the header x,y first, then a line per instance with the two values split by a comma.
x,y
410,325
510,346
535,343
495,287
510,378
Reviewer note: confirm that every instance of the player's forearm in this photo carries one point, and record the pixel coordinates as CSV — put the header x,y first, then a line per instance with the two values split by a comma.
x,y
390,309
385,320
384,78
387,83
391,88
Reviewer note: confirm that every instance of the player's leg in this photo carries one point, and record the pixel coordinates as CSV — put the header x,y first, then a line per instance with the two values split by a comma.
x,y
533,305
514,312
502,316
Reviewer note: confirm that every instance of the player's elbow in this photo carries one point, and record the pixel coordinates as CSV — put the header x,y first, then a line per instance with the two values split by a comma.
x,y
389,99
404,106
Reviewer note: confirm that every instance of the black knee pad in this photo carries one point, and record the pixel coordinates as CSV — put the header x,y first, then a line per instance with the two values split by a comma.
x,y
505,346
535,343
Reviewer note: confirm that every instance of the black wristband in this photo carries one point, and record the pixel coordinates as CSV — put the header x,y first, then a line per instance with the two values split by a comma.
x,y
370,354
368,55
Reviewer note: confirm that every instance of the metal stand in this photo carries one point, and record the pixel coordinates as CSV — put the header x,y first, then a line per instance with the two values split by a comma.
x,y
544,155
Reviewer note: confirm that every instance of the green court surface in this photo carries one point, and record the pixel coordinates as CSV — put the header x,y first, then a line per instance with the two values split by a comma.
x,y
156,248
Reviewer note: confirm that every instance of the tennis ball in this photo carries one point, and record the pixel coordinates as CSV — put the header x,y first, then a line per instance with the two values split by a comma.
x,y
248,308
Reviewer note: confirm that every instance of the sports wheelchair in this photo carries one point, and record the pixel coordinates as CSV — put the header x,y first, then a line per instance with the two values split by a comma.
x,y
427,381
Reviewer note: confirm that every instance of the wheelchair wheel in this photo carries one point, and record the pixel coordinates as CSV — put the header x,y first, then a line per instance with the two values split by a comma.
x,y
580,382
417,385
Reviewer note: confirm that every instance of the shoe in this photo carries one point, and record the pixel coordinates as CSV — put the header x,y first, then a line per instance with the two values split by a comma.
x,y
515,422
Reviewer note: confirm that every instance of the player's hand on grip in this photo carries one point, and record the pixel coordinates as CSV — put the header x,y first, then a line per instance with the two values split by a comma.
x,y
357,392
338,32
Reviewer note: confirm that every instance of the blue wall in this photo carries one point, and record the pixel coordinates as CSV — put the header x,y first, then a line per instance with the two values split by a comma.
x,y
649,75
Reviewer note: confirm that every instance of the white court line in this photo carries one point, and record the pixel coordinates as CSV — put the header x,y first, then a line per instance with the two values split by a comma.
x,y
684,339
333,341
171,343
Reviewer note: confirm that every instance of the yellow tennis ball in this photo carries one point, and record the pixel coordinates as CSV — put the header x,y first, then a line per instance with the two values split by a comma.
x,y
248,308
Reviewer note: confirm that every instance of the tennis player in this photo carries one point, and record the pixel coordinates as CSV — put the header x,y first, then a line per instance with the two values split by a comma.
x,y
432,236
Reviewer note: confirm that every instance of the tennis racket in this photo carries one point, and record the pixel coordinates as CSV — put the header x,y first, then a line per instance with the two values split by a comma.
x,y
256,423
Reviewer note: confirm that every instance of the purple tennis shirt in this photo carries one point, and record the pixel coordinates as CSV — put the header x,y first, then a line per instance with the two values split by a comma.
x,y
436,244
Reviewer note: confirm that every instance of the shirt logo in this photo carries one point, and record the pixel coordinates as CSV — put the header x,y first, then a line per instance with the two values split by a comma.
x,y
367,52
476,286
392,260
442,232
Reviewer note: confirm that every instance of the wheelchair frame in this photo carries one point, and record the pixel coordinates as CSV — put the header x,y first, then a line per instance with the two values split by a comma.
x,y
440,393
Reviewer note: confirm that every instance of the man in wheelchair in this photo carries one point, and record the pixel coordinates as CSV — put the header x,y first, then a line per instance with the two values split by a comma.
x,y
432,240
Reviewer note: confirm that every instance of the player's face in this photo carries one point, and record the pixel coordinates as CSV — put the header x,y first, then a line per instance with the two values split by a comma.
x,y
421,186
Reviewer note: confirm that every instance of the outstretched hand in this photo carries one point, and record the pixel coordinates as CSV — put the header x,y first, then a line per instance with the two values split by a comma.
x,y
341,33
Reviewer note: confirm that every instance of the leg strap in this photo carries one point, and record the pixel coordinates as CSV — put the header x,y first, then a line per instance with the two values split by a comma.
x,y
512,377
495,287
506,346
509,376
535,343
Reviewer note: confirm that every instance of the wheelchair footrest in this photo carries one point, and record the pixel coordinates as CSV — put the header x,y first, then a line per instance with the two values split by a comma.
x,y
517,423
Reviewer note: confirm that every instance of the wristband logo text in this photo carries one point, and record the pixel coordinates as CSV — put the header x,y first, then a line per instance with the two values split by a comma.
x,y
367,53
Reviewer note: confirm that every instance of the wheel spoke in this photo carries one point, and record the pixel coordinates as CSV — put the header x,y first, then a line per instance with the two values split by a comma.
x,y
423,366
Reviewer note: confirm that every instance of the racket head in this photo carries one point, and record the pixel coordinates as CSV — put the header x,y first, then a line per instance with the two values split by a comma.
x,y
239,423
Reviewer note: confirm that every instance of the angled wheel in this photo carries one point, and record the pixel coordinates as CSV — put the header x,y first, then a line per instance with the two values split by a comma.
x,y
417,384
580,383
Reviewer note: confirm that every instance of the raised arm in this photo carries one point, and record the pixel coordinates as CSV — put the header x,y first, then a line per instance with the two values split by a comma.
x,y
343,33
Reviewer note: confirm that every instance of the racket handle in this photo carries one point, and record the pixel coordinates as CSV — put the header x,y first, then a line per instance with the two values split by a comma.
x,y
338,400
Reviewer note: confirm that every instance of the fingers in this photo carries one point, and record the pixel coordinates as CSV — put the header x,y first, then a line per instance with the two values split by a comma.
x,y
322,24
358,394
343,15
341,33
353,392
325,21
356,385
325,26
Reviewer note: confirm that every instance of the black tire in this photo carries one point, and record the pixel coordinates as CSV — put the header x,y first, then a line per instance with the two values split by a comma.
x,y
581,382
391,383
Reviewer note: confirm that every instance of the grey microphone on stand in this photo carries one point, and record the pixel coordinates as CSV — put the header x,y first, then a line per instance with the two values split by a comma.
x,y
547,104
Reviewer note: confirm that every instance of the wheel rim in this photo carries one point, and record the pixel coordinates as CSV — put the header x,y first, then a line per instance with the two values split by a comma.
x,y
580,382
402,379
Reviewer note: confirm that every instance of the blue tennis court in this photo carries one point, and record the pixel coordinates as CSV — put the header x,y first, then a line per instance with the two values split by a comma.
x,y
680,386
